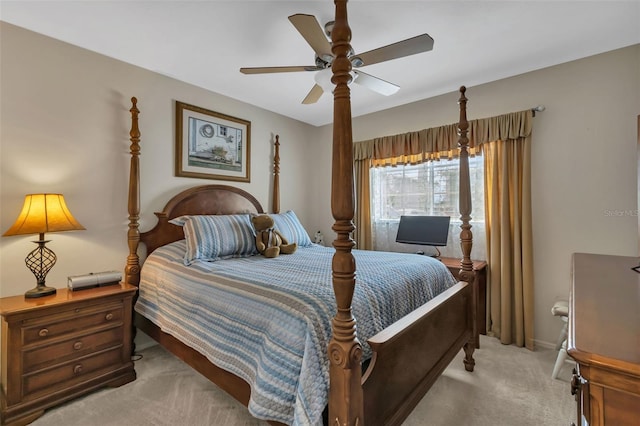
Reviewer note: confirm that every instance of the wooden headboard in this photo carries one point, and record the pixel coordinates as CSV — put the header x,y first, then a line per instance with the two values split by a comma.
x,y
205,199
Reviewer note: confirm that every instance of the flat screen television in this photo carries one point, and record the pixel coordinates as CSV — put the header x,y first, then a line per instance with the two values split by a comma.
x,y
423,230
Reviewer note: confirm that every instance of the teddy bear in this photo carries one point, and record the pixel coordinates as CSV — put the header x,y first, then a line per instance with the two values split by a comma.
x,y
270,242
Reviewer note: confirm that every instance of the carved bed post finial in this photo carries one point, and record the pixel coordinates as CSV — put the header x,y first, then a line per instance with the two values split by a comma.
x,y
276,176
345,351
132,269
466,237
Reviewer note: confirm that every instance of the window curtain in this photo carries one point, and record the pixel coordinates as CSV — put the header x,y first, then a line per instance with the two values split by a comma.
x,y
505,142
362,234
507,170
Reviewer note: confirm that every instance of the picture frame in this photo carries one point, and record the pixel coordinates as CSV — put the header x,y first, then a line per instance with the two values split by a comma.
x,y
211,145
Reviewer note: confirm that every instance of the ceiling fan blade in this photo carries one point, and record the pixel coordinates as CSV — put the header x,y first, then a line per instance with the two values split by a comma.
x,y
410,46
267,70
376,84
310,29
314,95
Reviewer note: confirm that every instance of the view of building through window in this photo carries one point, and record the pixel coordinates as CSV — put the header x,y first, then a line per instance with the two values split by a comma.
x,y
429,188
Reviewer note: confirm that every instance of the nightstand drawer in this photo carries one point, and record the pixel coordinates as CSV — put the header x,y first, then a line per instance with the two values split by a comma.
x,y
49,355
42,329
71,372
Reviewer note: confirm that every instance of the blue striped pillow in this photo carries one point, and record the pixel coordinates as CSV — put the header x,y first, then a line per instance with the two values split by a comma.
x,y
291,228
216,237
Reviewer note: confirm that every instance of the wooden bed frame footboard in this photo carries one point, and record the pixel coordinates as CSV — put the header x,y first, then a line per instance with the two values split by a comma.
x,y
410,354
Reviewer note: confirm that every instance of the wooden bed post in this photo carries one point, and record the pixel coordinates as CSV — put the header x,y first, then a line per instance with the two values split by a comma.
x,y
345,351
464,202
466,237
275,203
132,269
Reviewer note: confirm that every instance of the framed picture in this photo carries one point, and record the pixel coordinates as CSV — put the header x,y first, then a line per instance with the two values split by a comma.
x,y
211,145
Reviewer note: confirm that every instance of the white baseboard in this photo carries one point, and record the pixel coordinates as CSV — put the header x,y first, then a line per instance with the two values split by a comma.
x,y
544,344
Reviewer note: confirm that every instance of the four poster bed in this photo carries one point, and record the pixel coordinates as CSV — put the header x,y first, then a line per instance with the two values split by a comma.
x,y
291,342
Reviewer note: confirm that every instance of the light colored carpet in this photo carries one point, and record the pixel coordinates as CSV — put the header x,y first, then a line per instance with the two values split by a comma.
x,y
509,386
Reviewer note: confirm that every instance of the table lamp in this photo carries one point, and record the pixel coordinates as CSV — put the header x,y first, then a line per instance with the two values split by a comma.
x,y
42,213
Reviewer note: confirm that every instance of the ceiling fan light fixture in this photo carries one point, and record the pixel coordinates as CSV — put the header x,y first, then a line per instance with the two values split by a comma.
x,y
326,58
328,28
323,79
356,61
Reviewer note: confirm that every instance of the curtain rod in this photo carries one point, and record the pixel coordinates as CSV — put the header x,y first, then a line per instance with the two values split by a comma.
x,y
538,108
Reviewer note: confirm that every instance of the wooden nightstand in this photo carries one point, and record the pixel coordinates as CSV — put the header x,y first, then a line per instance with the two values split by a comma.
x,y
58,347
480,267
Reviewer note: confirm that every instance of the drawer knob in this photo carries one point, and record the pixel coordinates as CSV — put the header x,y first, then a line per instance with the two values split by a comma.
x,y
77,369
44,332
77,345
109,316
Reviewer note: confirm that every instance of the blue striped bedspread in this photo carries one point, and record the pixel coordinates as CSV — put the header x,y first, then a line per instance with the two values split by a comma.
x,y
268,321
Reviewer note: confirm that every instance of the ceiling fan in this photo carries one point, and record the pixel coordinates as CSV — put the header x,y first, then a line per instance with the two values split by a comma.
x,y
310,29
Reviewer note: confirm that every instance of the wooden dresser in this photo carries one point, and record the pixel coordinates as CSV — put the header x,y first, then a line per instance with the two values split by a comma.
x,y
604,339
61,346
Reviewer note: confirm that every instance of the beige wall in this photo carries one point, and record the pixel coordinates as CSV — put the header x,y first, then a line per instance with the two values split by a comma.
x,y
584,160
65,128
65,122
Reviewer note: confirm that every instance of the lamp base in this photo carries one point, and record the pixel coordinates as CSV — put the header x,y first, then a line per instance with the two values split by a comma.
x,y
40,291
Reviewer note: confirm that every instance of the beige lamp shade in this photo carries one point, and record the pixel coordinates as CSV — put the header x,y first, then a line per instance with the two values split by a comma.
x,y
43,213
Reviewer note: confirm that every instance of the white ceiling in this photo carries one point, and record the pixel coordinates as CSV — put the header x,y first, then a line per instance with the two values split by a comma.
x,y
206,42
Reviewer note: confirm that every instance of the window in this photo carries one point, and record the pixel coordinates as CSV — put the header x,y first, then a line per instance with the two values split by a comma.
x,y
430,188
